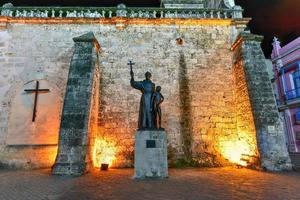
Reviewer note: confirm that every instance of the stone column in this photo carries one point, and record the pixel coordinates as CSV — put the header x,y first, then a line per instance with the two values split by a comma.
x,y
73,156
271,140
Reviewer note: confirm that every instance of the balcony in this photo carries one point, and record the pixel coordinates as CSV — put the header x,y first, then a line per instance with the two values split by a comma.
x,y
292,94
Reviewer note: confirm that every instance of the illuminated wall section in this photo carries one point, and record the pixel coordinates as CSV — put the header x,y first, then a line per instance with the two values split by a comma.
x,y
252,77
207,110
244,147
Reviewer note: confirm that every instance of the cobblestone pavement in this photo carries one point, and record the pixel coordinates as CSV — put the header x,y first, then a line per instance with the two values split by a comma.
x,y
185,184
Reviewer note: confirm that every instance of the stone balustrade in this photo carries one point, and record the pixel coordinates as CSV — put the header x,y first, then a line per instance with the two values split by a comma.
x,y
120,11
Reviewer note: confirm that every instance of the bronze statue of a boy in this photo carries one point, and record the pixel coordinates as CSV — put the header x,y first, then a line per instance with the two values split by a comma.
x,y
157,99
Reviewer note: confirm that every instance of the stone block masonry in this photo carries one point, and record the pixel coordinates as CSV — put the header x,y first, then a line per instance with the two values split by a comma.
x,y
270,137
34,144
204,109
198,89
73,157
196,80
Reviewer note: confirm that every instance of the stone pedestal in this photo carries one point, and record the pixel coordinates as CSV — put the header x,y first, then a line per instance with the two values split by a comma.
x,y
150,159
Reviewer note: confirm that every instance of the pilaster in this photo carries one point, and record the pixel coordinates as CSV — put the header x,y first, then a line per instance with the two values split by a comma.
x,y
73,156
271,140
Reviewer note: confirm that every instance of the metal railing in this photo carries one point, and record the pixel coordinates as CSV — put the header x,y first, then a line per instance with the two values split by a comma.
x,y
120,11
292,94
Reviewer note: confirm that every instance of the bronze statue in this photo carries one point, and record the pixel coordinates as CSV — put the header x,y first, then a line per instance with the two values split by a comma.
x,y
146,117
150,111
157,99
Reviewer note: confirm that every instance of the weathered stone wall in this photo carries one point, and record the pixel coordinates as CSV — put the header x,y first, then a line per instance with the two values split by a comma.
x,y
73,157
196,80
270,137
27,55
5,83
27,156
199,111
245,142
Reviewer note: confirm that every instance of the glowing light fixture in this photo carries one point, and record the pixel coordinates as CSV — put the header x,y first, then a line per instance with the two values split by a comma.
x,y
103,154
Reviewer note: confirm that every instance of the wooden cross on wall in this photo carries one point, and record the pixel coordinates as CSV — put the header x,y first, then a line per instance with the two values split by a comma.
x,y
37,90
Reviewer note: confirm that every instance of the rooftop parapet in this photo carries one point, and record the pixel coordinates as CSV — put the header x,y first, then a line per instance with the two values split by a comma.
x,y
183,4
192,4
121,10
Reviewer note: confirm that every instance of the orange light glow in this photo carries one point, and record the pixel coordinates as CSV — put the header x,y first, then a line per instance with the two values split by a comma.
x,y
235,151
104,152
124,21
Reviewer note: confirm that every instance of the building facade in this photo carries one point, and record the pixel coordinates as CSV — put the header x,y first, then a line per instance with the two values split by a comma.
x,y
219,107
286,65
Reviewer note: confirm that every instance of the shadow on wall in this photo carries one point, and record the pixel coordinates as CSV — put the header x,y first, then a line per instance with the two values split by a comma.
x,y
185,109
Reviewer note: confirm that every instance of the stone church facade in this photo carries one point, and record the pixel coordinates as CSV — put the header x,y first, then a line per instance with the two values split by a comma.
x,y
219,107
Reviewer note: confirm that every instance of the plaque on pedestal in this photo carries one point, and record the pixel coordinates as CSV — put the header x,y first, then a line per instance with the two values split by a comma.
x,y
150,159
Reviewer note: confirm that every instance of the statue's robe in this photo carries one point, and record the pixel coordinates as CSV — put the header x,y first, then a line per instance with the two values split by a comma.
x,y
146,116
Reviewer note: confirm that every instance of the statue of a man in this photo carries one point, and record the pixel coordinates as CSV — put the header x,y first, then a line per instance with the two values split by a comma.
x,y
146,115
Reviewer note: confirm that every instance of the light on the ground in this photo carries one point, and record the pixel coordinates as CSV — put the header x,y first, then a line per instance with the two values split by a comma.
x,y
104,152
236,151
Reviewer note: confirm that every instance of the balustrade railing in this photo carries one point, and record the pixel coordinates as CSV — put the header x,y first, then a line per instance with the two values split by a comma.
x,y
120,11
292,94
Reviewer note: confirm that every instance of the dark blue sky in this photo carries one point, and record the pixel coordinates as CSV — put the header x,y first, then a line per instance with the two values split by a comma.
x,y
280,18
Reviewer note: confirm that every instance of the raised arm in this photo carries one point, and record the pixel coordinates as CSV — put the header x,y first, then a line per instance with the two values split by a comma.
x,y
136,84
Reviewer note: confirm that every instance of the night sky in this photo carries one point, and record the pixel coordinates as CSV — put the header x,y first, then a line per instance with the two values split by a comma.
x,y
280,18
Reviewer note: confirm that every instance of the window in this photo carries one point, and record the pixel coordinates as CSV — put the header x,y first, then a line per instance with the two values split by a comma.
x,y
297,135
297,116
296,78
295,86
